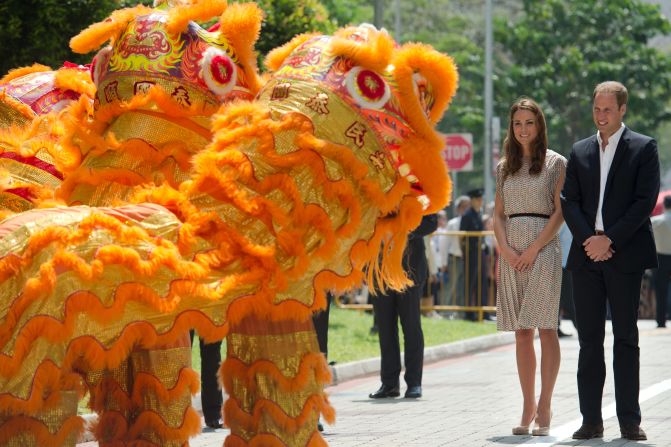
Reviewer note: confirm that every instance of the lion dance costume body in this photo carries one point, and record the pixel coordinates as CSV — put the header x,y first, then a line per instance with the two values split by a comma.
x,y
234,224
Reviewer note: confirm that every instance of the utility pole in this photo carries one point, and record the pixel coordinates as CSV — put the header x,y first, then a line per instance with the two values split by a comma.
x,y
489,102
378,11
397,20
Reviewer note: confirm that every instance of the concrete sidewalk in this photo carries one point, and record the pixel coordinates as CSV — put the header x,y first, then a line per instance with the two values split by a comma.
x,y
472,398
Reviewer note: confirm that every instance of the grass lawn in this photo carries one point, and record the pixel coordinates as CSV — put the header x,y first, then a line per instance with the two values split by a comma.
x,y
350,338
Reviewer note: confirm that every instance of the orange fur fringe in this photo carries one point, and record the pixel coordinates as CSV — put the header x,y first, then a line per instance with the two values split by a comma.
x,y
22,71
76,80
22,108
241,25
20,425
269,440
312,365
180,15
97,34
250,422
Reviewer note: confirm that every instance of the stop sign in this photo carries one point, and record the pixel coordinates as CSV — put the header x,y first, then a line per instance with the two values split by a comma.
x,y
458,151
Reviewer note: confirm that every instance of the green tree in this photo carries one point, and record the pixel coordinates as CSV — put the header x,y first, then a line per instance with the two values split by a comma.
x,y
284,19
455,27
558,50
349,12
40,30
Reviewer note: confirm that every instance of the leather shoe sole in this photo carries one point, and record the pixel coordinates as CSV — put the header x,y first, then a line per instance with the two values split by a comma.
x,y
589,432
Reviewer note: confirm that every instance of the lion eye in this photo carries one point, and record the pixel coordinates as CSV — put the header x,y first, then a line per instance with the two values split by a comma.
x,y
218,71
367,87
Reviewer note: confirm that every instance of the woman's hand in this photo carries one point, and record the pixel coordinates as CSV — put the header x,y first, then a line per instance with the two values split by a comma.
x,y
511,256
526,260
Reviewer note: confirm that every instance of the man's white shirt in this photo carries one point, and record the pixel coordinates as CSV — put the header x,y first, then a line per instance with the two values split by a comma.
x,y
453,246
606,159
439,244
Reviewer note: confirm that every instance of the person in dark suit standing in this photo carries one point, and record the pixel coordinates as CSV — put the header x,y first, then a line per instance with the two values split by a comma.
x,y
211,398
612,182
472,251
405,306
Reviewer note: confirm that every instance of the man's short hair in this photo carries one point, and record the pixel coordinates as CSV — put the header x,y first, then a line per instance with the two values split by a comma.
x,y
613,87
667,202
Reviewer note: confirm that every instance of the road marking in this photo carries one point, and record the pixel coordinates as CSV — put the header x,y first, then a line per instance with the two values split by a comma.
x,y
566,430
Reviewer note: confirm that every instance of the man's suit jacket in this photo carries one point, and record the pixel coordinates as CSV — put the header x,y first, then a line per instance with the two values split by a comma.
x,y
471,221
414,256
630,195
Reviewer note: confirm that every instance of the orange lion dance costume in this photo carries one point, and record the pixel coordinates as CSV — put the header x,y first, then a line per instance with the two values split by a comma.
x,y
302,190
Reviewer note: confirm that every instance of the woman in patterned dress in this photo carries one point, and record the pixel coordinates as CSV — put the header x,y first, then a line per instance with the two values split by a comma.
x,y
527,218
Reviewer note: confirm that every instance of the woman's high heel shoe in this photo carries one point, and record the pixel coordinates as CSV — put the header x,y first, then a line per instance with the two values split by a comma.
x,y
523,429
541,431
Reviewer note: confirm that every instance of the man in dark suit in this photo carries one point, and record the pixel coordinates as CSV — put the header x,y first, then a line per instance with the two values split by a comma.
x,y
211,398
612,182
405,305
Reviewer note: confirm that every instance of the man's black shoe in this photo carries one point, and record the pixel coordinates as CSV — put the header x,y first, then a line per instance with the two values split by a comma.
x,y
633,432
214,423
413,392
589,431
385,391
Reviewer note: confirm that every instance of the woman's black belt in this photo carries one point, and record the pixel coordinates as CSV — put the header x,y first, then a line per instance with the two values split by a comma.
x,y
544,216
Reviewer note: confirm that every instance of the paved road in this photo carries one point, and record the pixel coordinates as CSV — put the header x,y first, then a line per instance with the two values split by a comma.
x,y
474,400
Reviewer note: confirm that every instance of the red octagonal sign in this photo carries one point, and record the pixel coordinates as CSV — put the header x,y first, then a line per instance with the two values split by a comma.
x,y
458,151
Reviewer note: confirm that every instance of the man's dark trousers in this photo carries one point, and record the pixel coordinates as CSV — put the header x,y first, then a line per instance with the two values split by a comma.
x,y
211,398
595,284
403,306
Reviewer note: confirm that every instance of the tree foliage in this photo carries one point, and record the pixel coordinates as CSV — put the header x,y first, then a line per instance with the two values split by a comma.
x,y
558,50
284,19
455,27
40,30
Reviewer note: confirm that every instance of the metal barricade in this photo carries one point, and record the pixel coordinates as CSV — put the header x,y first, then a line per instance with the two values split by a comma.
x,y
466,288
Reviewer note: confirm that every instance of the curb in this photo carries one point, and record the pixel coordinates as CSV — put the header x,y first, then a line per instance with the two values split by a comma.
x,y
362,368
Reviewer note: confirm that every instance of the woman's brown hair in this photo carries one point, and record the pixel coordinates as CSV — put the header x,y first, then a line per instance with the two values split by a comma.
x,y
512,149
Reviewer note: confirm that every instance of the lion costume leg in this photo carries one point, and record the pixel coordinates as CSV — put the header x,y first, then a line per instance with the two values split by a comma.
x,y
274,375
147,399
57,424
163,383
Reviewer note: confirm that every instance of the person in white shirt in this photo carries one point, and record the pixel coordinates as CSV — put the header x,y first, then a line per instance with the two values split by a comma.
x,y
661,227
439,244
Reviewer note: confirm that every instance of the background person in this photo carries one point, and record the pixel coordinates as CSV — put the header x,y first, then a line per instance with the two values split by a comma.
x,y
566,306
661,227
211,397
472,248
439,242
455,261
